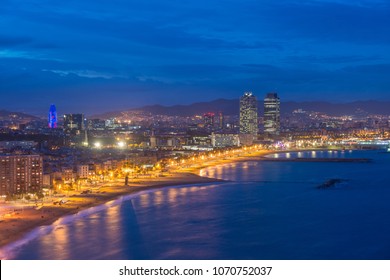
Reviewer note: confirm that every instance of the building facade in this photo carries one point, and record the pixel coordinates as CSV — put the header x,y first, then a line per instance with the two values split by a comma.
x,y
248,114
221,121
221,140
83,171
209,121
74,123
20,174
9,145
272,114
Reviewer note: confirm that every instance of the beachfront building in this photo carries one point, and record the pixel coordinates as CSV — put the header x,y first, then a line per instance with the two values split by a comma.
x,y
20,174
83,171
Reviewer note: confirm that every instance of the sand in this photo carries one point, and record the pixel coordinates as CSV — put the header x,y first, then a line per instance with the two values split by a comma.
x,y
16,220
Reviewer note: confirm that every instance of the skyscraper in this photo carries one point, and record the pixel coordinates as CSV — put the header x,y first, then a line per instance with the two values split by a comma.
x,y
272,114
221,120
74,123
209,121
248,114
52,120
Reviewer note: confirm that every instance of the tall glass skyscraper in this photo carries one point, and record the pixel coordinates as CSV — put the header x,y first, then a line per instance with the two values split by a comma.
x,y
272,114
52,120
248,114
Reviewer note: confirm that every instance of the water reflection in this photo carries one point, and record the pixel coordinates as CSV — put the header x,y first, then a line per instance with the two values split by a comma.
x,y
145,199
172,195
58,241
244,219
158,198
113,225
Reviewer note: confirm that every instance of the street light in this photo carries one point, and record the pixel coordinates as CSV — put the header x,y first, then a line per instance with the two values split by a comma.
x,y
98,145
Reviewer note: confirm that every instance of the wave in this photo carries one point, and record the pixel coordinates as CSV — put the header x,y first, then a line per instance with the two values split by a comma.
x,y
9,251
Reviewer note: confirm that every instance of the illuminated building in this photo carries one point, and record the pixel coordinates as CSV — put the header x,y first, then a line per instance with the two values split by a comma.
x,y
113,123
67,175
272,114
248,114
96,124
83,171
222,140
209,120
221,120
20,174
52,120
74,123
25,145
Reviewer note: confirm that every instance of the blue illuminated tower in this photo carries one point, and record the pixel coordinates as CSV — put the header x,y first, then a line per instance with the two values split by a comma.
x,y
53,116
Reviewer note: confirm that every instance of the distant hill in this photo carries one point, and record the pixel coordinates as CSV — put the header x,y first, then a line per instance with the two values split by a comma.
x,y
339,109
231,107
16,115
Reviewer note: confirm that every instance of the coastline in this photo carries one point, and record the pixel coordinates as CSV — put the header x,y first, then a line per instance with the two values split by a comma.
x,y
16,224
22,221
320,159
357,160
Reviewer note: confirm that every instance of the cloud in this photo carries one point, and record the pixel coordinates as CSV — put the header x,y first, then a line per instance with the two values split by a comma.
x,y
91,74
157,50
331,59
6,53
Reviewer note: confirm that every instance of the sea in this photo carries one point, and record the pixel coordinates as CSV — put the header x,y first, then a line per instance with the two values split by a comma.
x,y
272,210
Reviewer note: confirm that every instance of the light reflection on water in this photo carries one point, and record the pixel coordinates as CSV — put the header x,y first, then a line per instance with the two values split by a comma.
x,y
314,154
270,210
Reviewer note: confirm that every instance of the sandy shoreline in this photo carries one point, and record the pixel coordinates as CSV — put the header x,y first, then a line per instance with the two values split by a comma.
x,y
22,219
15,224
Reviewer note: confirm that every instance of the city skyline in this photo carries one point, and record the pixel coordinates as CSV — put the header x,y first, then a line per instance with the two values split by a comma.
x,y
220,106
120,55
194,130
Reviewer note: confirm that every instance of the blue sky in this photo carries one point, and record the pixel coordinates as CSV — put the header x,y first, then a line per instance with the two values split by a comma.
x,y
97,55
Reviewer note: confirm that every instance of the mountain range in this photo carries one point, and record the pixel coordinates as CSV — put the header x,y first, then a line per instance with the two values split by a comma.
x,y
7,115
231,107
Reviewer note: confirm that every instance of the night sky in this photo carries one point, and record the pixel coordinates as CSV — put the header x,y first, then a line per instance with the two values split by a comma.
x,y
102,55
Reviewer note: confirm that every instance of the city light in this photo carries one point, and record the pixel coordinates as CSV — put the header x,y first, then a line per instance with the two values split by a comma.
x,y
98,145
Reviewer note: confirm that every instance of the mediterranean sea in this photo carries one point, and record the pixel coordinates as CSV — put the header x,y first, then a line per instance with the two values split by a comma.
x,y
265,210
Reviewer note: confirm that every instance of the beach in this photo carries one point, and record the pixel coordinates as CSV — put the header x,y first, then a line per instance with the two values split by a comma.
x,y
21,219
18,220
